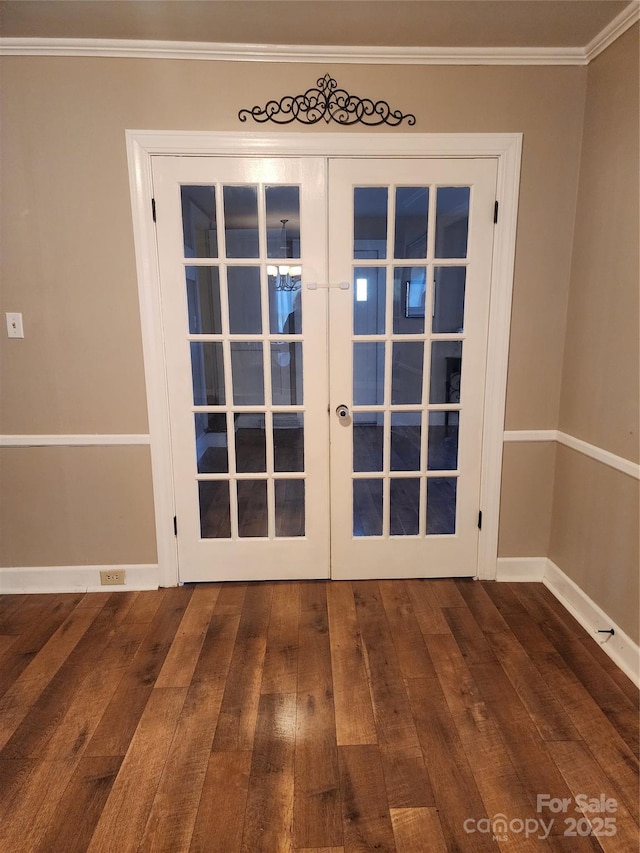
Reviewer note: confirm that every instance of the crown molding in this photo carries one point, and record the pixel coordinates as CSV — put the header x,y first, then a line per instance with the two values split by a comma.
x,y
626,19
218,51
142,49
147,49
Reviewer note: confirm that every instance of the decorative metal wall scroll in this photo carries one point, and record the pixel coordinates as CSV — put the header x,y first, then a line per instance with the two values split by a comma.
x,y
329,103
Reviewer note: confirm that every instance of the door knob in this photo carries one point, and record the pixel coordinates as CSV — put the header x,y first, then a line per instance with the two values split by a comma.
x,y
342,412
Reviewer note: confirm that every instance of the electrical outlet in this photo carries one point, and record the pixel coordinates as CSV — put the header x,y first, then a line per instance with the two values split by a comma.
x,y
112,577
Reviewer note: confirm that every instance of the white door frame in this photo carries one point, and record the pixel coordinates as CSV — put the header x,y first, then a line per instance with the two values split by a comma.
x,y
142,145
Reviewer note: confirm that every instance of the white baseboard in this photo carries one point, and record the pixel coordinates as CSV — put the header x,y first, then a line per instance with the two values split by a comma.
x,y
620,647
622,650
521,568
75,579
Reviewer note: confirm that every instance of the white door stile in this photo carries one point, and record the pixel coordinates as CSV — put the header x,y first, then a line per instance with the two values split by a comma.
x,y
144,146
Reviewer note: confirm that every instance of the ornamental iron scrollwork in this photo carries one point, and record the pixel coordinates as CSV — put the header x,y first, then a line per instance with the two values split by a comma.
x,y
329,103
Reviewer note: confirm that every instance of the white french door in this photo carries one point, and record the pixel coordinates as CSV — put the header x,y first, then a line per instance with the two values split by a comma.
x,y
325,331
408,342
247,373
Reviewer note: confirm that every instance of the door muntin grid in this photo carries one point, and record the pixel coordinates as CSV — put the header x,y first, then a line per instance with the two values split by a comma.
x,y
409,264
243,279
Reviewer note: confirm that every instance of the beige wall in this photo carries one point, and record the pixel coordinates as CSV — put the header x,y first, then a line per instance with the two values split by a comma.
x,y
527,495
594,537
75,506
68,257
600,381
594,534
67,241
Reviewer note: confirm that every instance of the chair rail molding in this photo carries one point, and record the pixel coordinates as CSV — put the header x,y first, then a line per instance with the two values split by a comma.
x,y
88,440
625,466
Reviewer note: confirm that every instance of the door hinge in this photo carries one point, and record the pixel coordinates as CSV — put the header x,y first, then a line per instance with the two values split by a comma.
x,y
495,212
480,520
175,525
153,209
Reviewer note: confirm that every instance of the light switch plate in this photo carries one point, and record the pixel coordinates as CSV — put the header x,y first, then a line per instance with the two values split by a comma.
x,y
15,328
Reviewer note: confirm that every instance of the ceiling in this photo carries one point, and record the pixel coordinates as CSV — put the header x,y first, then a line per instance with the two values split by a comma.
x,y
380,23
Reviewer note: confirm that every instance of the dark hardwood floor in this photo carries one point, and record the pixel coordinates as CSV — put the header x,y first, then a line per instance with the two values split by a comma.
x,y
312,717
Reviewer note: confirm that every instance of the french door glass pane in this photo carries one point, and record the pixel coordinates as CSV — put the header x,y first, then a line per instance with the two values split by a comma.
x,y
247,371
285,304
207,372
441,505
368,441
283,221
241,221
251,445
252,508
369,302
288,442
367,507
406,375
443,441
203,300
448,299
409,294
370,222
211,442
368,374
452,222
215,516
199,232
446,368
243,287
404,507
412,210
289,496
286,373
405,441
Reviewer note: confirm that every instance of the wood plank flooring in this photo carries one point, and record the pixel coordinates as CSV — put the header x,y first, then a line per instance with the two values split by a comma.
x,y
312,717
